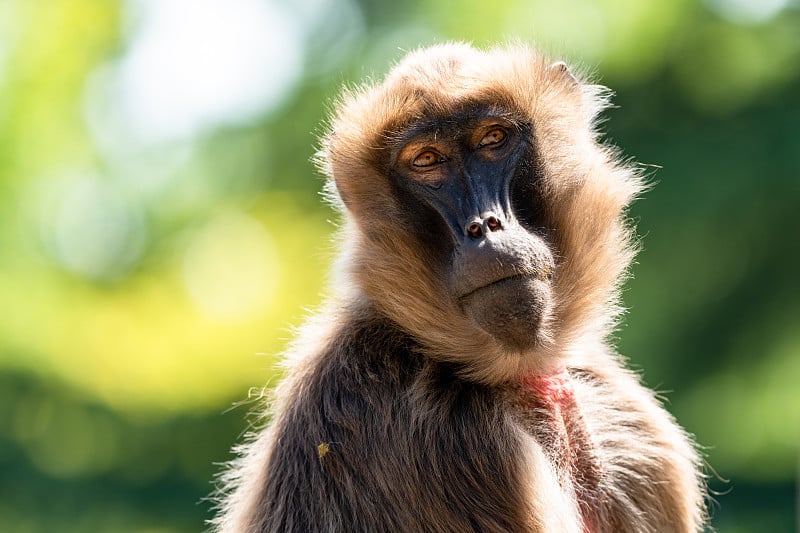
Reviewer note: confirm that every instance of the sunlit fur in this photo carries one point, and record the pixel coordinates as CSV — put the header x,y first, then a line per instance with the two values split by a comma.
x,y
650,477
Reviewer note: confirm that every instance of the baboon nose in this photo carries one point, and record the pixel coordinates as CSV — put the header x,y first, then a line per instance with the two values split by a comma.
x,y
480,227
475,230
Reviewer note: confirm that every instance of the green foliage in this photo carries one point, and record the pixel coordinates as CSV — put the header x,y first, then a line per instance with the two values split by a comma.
x,y
149,283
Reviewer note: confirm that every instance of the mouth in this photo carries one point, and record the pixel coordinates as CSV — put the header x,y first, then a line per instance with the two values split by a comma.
x,y
543,273
497,283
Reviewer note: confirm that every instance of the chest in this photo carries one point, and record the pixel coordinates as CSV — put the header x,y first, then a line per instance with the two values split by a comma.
x,y
569,462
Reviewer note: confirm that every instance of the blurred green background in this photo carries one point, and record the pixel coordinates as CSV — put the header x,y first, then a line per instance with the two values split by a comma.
x,y
161,230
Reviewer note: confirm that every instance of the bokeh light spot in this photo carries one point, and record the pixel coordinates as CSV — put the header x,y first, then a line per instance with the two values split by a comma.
x,y
93,229
230,268
196,64
747,11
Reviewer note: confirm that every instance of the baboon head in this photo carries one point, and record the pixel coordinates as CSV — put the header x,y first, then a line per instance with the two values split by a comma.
x,y
482,213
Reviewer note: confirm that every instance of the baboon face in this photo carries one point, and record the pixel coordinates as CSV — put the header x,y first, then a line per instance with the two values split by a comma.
x,y
468,184
484,217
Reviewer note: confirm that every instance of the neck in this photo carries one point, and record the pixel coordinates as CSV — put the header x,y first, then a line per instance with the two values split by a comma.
x,y
553,388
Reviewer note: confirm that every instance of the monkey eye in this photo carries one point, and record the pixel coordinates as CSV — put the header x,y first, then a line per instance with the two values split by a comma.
x,y
428,158
495,136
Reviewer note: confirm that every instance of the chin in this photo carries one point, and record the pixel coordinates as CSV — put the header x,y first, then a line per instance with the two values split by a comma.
x,y
513,311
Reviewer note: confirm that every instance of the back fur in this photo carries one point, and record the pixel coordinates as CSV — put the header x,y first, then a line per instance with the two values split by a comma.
x,y
419,409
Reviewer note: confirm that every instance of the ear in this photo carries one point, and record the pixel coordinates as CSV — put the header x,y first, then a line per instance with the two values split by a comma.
x,y
562,69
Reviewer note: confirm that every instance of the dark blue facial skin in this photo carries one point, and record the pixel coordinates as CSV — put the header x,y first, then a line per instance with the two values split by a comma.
x,y
468,186
476,158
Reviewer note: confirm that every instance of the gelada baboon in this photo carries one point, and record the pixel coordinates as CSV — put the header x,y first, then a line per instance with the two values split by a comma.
x,y
460,378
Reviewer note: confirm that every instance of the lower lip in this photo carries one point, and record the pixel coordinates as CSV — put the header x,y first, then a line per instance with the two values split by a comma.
x,y
516,277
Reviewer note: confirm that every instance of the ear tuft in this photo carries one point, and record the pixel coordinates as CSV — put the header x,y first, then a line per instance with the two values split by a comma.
x,y
562,69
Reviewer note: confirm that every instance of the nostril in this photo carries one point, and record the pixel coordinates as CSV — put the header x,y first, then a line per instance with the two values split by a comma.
x,y
475,230
493,223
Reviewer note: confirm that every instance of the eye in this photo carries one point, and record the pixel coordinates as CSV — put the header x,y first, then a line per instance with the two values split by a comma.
x,y
493,137
428,158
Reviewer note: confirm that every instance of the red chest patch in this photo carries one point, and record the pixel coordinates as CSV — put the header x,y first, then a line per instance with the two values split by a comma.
x,y
553,389
561,431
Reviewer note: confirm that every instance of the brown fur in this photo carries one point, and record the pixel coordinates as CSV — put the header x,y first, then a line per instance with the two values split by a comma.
x,y
426,421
